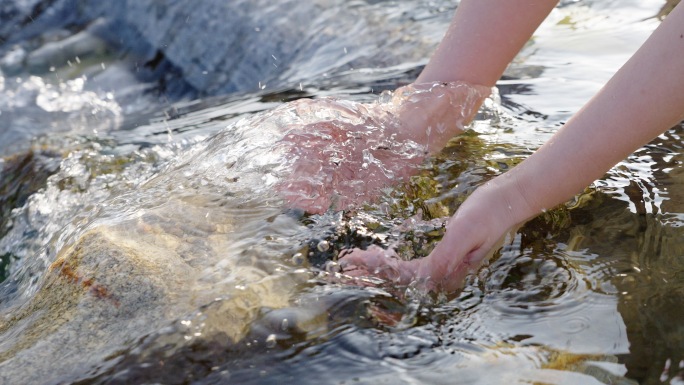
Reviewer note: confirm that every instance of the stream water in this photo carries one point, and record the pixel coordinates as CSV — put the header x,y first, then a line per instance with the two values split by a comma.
x,y
142,239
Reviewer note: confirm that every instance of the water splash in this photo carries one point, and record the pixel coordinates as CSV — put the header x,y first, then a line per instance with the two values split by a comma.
x,y
343,153
31,104
173,200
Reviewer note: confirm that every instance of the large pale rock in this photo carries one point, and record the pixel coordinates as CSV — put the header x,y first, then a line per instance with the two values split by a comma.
x,y
116,284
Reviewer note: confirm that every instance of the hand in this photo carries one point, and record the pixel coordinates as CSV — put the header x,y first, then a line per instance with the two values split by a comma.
x,y
433,113
479,224
345,157
378,262
343,153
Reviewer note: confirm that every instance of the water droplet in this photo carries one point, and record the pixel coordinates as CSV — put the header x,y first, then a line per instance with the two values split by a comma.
x,y
285,324
323,246
364,166
298,259
333,267
271,341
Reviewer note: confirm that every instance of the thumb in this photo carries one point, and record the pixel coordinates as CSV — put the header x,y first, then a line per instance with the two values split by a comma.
x,y
459,253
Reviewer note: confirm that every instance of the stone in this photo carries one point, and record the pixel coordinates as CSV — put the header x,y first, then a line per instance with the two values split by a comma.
x,y
223,47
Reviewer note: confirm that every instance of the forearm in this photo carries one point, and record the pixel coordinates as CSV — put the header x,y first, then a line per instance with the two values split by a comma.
x,y
483,38
643,99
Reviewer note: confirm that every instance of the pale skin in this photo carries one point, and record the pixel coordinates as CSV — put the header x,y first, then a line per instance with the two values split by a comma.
x,y
643,99
428,112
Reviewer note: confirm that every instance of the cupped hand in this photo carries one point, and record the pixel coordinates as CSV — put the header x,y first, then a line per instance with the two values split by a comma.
x,y
343,153
345,157
472,233
378,262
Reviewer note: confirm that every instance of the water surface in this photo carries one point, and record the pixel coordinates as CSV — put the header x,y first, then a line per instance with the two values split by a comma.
x,y
143,241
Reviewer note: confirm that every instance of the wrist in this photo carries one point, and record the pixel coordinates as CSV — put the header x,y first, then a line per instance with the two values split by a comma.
x,y
432,113
509,195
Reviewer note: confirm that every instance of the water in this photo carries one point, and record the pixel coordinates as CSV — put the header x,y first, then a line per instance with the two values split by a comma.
x,y
143,239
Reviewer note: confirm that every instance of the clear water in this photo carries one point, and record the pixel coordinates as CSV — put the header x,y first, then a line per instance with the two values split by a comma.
x,y
159,251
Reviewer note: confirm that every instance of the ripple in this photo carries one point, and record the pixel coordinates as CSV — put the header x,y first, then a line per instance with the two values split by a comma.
x,y
576,324
533,284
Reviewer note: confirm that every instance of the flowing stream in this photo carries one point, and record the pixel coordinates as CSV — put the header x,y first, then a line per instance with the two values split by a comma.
x,y
143,238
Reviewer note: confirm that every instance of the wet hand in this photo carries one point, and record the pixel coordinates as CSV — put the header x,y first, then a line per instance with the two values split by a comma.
x,y
343,153
378,262
345,157
472,233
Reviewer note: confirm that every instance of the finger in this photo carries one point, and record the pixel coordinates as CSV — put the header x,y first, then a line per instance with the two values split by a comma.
x,y
378,262
356,258
362,262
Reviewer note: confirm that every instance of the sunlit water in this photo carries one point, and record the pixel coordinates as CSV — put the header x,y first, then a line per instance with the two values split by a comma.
x,y
161,252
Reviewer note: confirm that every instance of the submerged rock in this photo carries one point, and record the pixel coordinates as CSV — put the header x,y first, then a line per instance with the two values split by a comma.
x,y
21,176
244,45
118,282
203,242
114,253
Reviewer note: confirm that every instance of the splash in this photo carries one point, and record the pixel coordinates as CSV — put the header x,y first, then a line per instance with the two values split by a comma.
x,y
343,154
32,106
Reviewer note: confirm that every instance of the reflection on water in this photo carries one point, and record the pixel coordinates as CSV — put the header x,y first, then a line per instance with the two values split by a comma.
x,y
139,247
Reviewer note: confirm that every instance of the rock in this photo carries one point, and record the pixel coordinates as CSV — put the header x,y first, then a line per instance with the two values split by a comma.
x,y
116,284
21,176
15,14
274,44
75,48
221,47
194,249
